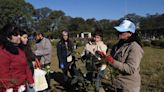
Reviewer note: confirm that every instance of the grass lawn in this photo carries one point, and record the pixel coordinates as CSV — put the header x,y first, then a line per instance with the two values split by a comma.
x,y
152,69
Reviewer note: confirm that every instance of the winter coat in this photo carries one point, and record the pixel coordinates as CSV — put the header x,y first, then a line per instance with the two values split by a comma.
x,y
43,50
127,60
14,69
63,52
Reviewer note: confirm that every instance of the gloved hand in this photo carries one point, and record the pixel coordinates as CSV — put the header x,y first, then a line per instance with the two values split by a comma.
x,y
100,54
107,57
61,66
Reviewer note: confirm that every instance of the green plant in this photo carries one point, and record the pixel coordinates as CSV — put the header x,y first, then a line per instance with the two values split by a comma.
x,y
162,44
156,42
146,43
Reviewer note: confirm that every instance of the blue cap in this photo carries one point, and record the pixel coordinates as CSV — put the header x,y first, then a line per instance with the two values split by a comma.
x,y
125,26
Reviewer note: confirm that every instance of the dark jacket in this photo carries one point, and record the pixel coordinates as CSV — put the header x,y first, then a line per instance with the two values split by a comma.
x,y
63,52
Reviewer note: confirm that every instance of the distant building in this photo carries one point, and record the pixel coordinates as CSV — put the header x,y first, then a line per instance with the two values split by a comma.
x,y
84,35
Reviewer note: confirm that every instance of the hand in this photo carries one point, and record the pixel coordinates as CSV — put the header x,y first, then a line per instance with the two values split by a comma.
x,y
62,66
31,85
109,59
101,54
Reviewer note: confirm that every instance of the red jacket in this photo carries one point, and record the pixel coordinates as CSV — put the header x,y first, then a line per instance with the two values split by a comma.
x,y
14,70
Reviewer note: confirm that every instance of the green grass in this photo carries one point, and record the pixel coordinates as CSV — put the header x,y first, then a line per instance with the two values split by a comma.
x,y
152,69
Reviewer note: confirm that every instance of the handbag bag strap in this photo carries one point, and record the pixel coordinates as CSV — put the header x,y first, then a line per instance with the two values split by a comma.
x,y
37,63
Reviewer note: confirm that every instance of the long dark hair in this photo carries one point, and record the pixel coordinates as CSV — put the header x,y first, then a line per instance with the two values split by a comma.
x,y
27,48
70,44
61,36
6,32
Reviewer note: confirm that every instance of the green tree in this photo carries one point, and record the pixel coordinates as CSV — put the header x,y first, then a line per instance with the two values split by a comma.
x,y
77,25
42,13
15,11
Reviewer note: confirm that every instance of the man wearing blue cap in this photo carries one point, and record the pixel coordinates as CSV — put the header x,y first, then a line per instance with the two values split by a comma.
x,y
125,57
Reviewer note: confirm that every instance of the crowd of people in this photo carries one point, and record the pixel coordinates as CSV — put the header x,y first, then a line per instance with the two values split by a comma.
x,y
18,59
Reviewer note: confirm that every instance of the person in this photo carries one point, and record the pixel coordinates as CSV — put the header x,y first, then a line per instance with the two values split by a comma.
x,y
43,51
15,72
125,58
25,46
89,54
65,55
95,44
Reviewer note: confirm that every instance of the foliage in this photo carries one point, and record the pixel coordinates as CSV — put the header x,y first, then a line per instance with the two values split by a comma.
x,y
162,44
52,22
133,17
15,11
151,71
152,21
156,42
146,43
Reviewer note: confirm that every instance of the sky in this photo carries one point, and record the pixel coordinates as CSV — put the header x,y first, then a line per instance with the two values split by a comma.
x,y
102,9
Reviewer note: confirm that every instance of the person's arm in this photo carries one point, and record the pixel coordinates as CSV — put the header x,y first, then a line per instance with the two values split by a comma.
x,y
46,50
59,53
29,76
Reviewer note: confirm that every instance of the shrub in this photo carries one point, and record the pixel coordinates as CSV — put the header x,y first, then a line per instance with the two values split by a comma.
x,y
54,42
146,43
162,44
156,42
79,43
159,43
